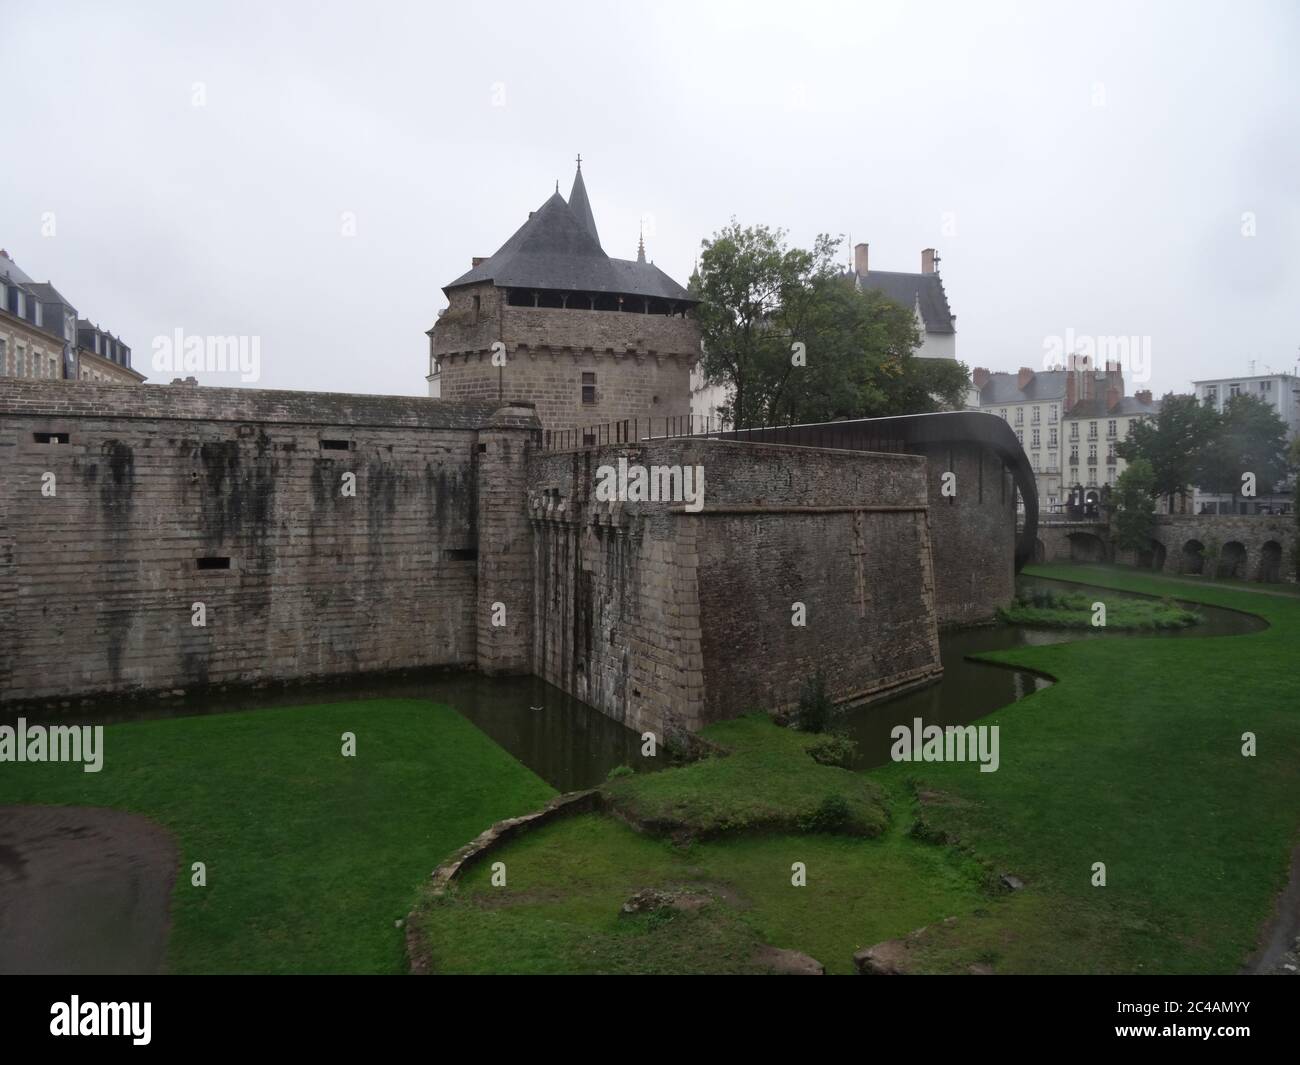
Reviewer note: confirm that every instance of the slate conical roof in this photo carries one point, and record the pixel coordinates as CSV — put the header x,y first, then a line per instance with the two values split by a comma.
x,y
558,249
581,206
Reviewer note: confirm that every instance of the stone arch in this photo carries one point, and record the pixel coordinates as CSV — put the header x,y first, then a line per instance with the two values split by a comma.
x,y
1159,555
1232,560
1193,557
1040,552
1270,562
1087,547
1152,556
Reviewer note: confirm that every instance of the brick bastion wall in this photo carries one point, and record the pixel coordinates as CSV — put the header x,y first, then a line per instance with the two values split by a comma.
x,y
666,619
114,500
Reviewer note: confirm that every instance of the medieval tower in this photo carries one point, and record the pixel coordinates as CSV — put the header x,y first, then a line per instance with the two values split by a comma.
x,y
553,320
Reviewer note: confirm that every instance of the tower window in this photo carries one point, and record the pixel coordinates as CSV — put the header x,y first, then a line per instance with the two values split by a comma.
x,y
588,388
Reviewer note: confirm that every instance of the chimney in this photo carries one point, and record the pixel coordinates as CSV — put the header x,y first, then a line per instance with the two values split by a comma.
x,y
979,377
1024,377
1144,396
1112,398
860,259
4,254
927,261
476,260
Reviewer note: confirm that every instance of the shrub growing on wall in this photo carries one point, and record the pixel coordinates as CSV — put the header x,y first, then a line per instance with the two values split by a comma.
x,y
816,710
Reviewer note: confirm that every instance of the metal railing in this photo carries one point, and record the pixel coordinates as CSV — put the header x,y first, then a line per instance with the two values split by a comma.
x,y
630,431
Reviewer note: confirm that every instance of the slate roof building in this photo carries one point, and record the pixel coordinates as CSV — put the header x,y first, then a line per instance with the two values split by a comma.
x,y
1068,421
923,292
552,318
41,335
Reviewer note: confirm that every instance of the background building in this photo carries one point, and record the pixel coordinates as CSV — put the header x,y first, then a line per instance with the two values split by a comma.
x,y
41,335
101,356
1281,391
923,292
1068,421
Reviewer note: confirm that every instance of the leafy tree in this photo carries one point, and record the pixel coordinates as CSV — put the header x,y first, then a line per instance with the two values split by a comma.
x,y
1295,505
1251,438
759,299
1135,508
1172,443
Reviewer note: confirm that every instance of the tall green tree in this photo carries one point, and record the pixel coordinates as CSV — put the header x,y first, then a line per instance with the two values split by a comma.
x,y
758,297
1172,443
1250,439
1135,506
797,342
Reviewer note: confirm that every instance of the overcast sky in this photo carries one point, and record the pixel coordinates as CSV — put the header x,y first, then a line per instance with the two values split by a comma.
x,y
1082,166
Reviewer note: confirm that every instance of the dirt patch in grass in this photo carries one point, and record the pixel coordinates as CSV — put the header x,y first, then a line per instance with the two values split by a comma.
x,y
83,889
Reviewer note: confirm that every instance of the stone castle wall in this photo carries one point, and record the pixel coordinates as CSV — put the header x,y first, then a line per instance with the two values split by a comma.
x,y
669,620
98,581
973,532
642,362
466,545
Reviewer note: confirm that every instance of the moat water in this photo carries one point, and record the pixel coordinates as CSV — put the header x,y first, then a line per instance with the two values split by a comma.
x,y
970,690
572,746
49,867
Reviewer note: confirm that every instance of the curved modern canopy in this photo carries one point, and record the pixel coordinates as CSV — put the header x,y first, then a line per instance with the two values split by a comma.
x,y
905,432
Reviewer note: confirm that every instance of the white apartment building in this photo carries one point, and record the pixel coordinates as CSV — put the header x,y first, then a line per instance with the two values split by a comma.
x,y
1068,422
1281,391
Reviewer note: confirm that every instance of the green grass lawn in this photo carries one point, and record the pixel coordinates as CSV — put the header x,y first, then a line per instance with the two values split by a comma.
x,y
559,911
1132,759
311,857
766,783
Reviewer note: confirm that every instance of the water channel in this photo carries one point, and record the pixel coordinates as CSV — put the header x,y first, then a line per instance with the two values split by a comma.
x,y
49,860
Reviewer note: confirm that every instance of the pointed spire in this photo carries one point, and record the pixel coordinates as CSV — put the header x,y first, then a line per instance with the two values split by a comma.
x,y
640,247
581,206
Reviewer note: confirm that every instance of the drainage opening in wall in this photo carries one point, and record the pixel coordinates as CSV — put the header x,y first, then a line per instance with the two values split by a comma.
x,y
213,562
51,438
460,554
336,445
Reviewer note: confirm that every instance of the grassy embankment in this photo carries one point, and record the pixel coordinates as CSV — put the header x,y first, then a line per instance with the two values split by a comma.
x,y
1076,610
311,857
1134,759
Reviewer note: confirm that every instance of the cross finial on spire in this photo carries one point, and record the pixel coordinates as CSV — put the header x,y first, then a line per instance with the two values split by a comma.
x,y
579,160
